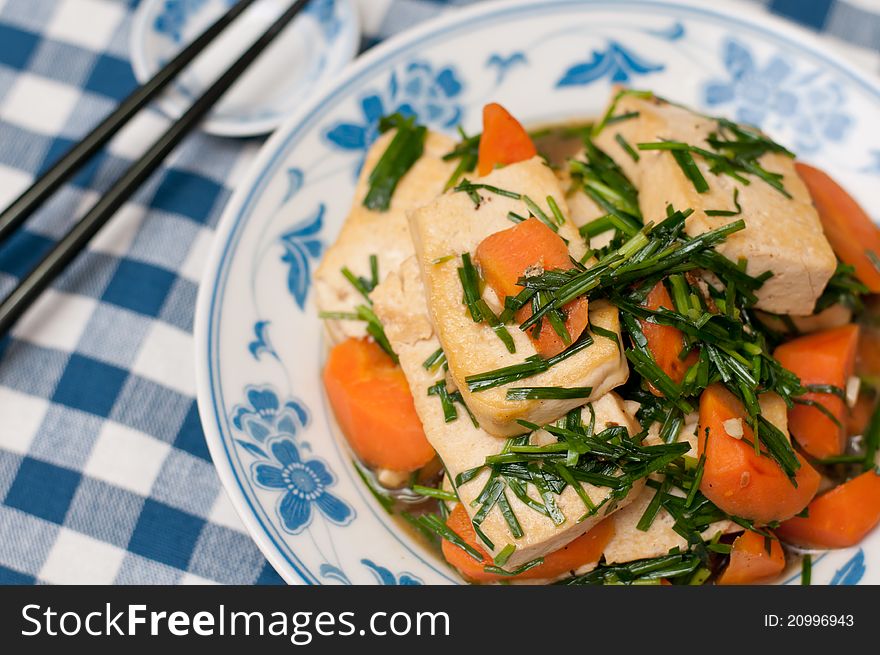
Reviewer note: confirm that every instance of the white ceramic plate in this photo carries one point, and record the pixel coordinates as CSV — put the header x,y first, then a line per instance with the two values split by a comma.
x,y
319,43
259,340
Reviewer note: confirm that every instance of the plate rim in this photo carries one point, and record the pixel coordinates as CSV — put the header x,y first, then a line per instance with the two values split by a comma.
x,y
230,126
737,11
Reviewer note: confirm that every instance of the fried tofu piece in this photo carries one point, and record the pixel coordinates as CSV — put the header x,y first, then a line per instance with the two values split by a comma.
x,y
452,225
384,234
399,302
782,235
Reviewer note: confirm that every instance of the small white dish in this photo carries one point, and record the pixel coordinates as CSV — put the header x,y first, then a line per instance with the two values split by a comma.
x,y
319,43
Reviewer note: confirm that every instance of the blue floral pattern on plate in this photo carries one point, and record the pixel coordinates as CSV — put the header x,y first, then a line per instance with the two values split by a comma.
x,y
264,416
305,483
420,89
281,466
808,104
504,63
383,575
851,572
261,343
302,246
617,63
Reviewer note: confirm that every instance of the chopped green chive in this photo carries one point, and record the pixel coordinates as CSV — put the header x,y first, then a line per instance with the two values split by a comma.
x,y
497,570
375,329
440,390
467,153
470,282
435,361
497,326
668,567
689,167
548,393
554,209
360,284
609,116
472,190
404,150
871,439
504,555
432,523
727,212
626,146
434,492
653,507
540,214
531,366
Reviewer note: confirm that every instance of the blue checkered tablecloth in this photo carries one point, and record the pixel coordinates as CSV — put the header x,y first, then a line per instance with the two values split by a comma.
x,y
104,472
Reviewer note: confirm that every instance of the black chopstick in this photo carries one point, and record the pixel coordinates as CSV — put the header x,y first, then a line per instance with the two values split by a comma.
x,y
74,241
22,207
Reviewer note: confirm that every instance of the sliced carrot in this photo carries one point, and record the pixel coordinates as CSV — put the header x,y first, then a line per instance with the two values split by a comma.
x,y
826,358
860,414
504,140
504,257
374,407
585,549
848,228
665,342
868,356
840,518
738,480
750,561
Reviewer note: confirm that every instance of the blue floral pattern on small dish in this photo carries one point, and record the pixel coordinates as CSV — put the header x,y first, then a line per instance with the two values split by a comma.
x,y
420,89
305,483
324,11
776,95
174,15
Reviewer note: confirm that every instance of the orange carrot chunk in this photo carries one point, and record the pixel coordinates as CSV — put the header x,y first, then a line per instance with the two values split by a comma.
x,y
665,342
826,358
585,549
374,407
750,562
504,257
848,228
868,357
860,414
504,140
738,480
840,518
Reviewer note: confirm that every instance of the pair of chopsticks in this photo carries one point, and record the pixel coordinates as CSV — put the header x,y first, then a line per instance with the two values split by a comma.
x,y
75,240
